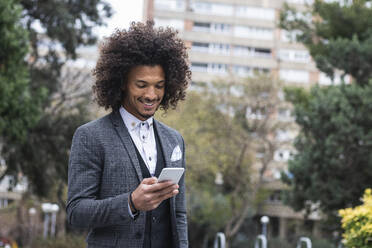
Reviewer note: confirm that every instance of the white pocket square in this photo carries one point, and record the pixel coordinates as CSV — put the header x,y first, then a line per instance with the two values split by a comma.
x,y
176,154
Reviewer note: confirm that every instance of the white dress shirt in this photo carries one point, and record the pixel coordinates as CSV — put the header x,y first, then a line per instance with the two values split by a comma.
x,y
143,136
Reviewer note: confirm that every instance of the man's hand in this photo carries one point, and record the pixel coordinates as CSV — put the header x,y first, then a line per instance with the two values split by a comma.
x,y
149,194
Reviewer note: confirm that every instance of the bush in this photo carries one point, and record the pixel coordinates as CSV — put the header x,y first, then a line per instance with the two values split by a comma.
x,y
357,223
322,243
277,242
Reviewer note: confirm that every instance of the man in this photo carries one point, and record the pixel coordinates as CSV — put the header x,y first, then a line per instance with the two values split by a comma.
x,y
115,161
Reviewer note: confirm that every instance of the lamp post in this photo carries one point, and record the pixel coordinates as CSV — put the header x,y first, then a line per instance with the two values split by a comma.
x,y
32,212
264,221
50,213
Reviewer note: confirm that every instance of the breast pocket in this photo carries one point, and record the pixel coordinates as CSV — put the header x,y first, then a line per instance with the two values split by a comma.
x,y
177,163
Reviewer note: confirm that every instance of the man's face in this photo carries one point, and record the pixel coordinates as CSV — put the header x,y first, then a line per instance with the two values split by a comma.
x,y
144,90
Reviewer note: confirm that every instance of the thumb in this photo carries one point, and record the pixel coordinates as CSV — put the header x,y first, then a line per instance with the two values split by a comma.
x,y
150,180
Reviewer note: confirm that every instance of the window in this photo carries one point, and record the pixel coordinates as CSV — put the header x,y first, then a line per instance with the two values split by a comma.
x,y
287,36
255,12
251,51
200,47
178,5
325,80
301,56
217,68
201,27
211,27
297,76
213,8
242,71
242,51
201,7
253,32
222,9
217,48
209,68
220,28
174,23
199,67
262,52
300,1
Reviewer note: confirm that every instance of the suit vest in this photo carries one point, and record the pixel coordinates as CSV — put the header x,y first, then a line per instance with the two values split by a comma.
x,y
158,231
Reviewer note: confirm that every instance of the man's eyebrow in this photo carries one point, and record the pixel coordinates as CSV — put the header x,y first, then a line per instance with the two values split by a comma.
x,y
144,81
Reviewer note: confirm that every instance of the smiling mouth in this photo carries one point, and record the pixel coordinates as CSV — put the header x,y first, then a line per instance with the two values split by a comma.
x,y
148,106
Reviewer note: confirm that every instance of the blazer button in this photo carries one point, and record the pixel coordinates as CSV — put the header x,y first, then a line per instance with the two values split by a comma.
x,y
138,235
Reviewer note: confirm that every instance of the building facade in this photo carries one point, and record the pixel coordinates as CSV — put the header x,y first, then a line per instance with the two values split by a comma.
x,y
237,38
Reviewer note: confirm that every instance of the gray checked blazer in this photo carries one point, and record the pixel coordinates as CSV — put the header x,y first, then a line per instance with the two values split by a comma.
x,y
103,169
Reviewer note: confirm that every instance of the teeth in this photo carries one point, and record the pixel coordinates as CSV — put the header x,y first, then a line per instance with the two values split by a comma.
x,y
149,104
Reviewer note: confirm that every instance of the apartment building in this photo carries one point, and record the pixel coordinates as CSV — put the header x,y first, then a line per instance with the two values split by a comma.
x,y
236,38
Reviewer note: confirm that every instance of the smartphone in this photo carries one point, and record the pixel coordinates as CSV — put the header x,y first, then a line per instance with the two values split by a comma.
x,y
172,174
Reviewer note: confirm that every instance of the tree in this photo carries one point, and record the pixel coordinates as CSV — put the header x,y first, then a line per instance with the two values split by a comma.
x,y
225,126
357,223
18,110
57,29
337,34
333,164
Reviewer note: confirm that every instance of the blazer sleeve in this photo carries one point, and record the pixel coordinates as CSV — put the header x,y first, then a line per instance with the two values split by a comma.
x,y
181,216
86,163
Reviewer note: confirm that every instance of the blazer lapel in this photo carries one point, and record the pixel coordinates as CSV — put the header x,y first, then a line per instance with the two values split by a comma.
x,y
124,135
166,145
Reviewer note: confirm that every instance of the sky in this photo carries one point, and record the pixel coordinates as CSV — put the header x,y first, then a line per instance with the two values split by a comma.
x,y
124,12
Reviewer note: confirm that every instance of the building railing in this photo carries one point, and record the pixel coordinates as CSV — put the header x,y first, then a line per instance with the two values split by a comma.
x,y
261,239
304,240
220,240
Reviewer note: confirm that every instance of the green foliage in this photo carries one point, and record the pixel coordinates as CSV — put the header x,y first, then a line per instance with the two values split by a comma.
x,y
221,147
56,29
338,36
357,223
277,242
18,110
65,25
209,150
333,147
333,164
322,243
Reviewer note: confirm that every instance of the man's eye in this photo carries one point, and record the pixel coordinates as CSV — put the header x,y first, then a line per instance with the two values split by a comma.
x,y
160,86
141,86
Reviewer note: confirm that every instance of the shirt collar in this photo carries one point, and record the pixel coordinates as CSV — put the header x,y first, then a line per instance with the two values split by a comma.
x,y
130,121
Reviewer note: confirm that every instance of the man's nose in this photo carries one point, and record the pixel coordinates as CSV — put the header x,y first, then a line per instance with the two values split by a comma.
x,y
150,93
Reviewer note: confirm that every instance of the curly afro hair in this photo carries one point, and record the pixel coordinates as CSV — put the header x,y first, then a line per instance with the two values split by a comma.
x,y
142,44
